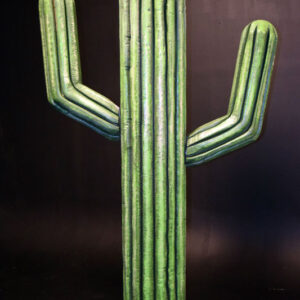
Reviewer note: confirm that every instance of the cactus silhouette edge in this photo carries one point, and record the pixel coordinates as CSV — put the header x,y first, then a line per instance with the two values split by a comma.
x,y
151,124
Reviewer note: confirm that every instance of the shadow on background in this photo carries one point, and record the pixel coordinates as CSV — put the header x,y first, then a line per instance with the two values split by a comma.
x,y
60,207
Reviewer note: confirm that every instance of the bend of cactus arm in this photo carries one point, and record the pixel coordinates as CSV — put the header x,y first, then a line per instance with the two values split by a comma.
x,y
243,122
63,75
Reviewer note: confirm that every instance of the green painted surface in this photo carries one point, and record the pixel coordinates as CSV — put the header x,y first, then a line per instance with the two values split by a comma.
x,y
151,125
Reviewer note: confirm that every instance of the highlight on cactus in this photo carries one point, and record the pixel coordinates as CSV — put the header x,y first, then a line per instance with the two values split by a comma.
x,y
151,124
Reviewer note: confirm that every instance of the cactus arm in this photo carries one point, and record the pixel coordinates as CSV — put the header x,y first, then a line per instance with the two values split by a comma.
x,y
63,75
243,122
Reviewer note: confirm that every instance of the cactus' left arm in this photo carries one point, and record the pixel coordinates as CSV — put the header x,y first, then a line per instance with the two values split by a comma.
x,y
243,122
63,72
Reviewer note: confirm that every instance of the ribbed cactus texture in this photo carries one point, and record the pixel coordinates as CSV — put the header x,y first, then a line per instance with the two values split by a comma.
x,y
151,124
153,144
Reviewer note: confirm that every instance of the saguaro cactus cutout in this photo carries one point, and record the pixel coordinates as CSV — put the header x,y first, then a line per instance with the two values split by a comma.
x,y
151,124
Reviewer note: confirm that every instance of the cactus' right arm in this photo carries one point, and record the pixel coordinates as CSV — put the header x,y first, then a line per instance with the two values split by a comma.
x,y
62,70
243,123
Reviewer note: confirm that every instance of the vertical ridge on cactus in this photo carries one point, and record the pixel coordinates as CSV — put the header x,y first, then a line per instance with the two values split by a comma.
x,y
151,124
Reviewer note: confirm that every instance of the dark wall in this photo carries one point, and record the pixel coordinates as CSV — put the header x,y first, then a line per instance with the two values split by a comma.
x,y
60,196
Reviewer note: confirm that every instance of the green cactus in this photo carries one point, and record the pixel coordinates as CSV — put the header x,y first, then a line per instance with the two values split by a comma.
x,y
151,124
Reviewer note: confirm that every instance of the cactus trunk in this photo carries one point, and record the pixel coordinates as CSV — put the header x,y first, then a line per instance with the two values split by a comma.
x,y
151,124
152,121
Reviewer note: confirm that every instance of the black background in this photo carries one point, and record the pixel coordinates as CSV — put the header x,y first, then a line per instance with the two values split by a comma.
x,y
60,207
